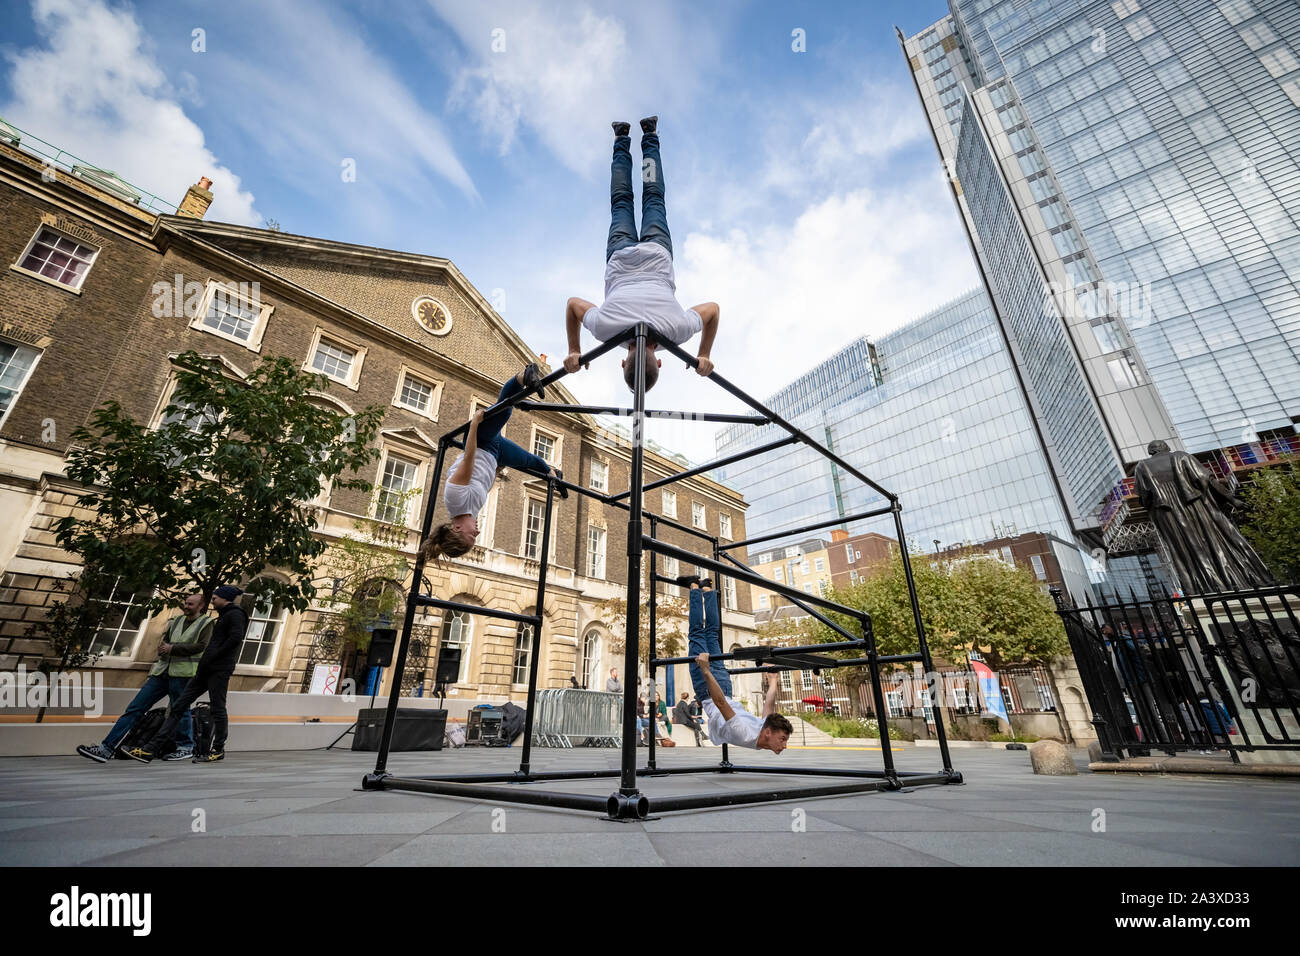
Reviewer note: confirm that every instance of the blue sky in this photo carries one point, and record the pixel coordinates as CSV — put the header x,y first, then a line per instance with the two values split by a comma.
x,y
804,191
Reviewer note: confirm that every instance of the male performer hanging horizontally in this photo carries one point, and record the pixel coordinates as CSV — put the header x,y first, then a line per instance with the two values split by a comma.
x,y
729,722
639,281
470,480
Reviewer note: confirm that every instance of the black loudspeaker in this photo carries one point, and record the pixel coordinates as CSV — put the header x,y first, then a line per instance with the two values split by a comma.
x,y
414,729
448,666
382,641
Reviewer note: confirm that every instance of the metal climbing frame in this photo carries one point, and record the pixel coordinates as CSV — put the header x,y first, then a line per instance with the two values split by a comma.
x,y
628,802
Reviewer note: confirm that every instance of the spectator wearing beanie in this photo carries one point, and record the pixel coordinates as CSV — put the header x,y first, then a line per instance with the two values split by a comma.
x,y
213,676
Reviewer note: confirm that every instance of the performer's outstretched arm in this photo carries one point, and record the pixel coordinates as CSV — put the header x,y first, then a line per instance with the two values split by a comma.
x,y
715,692
773,690
708,313
462,474
573,314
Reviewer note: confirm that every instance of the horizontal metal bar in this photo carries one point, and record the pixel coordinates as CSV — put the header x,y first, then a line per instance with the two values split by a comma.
x,y
428,601
469,791
853,662
832,772
709,466
516,777
846,519
536,406
672,551
746,653
669,804
673,524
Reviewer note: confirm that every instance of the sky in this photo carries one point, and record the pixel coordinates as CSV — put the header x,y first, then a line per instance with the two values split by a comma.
x,y
804,191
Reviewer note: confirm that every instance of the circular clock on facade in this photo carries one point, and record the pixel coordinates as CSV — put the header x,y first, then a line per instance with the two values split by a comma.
x,y
431,314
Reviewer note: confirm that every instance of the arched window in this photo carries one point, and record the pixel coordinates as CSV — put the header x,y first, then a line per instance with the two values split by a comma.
x,y
458,632
589,665
265,625
524,644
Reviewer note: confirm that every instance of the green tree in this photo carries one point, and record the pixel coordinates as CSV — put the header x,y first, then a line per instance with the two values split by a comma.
x,y
670,625
366,570
1273,521
980,604
219,491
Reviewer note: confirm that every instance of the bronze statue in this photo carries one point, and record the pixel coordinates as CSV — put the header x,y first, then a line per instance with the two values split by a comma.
x,y
1189,507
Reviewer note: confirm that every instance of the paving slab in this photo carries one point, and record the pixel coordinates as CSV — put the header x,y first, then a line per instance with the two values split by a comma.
x,y
272,809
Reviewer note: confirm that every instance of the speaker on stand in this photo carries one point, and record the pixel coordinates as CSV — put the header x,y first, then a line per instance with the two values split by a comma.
x,y
382,642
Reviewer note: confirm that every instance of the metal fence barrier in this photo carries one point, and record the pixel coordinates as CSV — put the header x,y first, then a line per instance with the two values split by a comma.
x,y
564,714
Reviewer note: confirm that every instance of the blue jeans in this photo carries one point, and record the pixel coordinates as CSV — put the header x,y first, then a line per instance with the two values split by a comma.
x,y
508,454
705,633
654,214
154,690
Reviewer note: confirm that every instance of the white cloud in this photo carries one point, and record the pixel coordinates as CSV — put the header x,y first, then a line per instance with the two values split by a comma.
x,y
96,91
854,263
311,93
567,71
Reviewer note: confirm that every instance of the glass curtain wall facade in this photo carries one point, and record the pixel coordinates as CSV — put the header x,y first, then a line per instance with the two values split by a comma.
x,y
1148,150
933,412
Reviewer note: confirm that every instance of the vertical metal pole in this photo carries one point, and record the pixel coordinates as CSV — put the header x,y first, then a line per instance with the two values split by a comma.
x,y
920,634
408,621
636,483
878,695
536,655
653,650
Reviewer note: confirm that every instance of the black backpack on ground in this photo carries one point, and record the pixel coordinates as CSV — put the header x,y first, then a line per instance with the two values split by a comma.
x,y
148,725
201,715
512,721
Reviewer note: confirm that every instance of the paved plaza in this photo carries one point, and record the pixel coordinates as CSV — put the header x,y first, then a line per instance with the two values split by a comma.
x,y
305,808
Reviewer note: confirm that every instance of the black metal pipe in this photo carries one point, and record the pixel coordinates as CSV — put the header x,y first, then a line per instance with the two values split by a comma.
x,y
632,624
924,646
797,603
776,419
469,791
776,652
750,577
555,376
669,804
535,406
516,777
875,513
718,463
852,662
651,651
408,619
476,609
535,653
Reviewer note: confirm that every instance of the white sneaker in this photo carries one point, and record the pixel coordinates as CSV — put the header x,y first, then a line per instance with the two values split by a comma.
x,y
180,753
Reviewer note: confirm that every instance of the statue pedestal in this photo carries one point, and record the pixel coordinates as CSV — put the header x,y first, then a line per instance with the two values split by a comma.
x,y
1254,621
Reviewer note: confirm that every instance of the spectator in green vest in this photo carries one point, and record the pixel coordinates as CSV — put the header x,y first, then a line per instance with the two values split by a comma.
x,y
185,638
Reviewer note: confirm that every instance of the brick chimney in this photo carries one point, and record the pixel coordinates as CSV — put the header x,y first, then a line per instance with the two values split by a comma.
x,y
839,534
197,200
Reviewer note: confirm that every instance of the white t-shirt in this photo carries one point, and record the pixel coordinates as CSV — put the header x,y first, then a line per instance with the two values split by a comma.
x,y
469,499
740,731
639,287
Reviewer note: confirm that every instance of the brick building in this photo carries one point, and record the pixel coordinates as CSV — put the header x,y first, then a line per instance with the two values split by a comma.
x,y
101,295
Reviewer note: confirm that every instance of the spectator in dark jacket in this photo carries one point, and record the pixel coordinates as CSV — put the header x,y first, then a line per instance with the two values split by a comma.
x,y
213,676
682,716
185,638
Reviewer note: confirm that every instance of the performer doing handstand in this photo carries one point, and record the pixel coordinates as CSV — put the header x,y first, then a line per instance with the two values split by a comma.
x,y
639,281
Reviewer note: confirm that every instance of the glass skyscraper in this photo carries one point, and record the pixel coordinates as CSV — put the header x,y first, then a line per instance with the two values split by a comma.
x,y
1127,172
933,412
